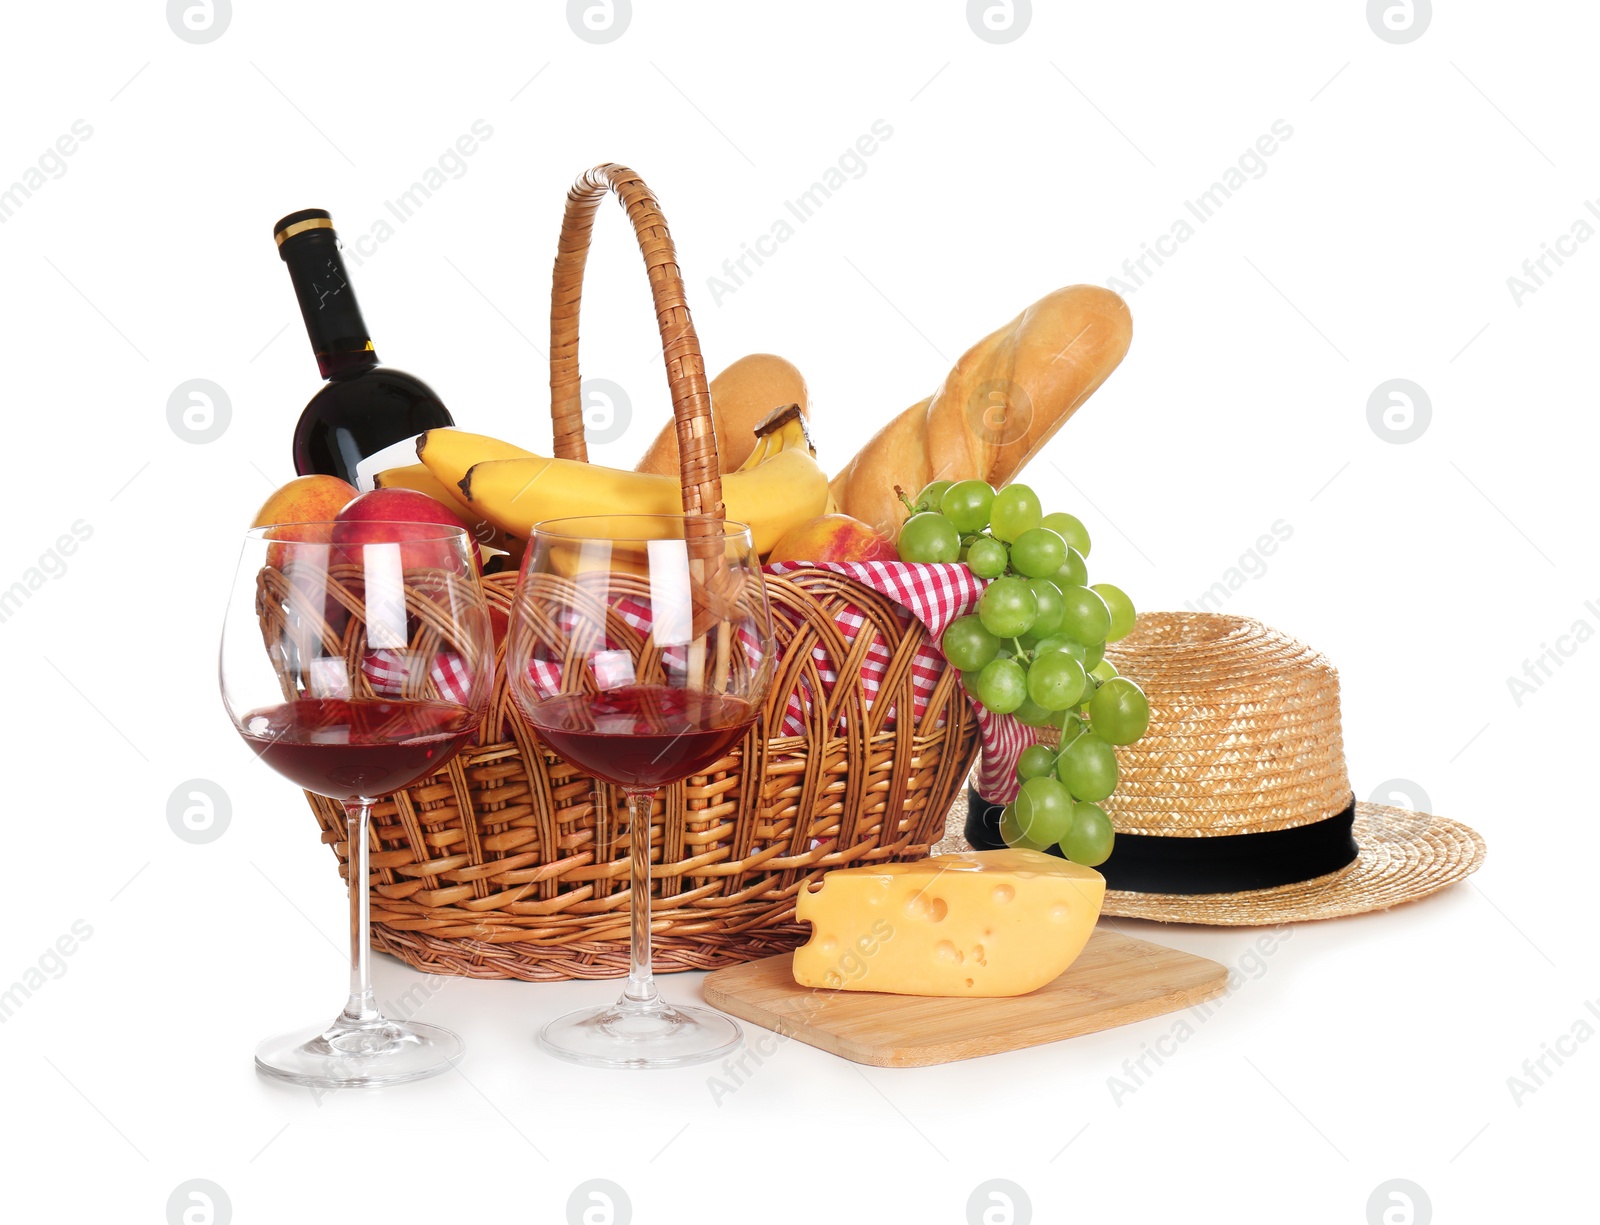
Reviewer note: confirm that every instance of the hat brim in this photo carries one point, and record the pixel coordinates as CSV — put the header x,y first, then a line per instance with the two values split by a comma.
x,y
1404,856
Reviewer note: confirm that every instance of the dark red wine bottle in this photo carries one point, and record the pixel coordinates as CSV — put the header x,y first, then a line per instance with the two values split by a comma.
x,y
367,416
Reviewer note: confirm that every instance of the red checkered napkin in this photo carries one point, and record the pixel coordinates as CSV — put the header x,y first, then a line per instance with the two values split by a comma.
x,y
388,671
934,594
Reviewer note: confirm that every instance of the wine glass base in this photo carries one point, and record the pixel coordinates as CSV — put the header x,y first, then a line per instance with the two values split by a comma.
x,y
346,1055
624,1035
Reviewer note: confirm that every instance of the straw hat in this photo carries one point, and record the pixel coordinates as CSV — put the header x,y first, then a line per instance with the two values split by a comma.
x,y
1235,808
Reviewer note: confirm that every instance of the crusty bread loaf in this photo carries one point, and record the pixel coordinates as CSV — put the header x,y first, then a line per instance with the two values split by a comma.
x,y
1001,403
741,396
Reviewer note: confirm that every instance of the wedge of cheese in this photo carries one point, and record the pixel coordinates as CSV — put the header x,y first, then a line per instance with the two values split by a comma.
x,y
983,923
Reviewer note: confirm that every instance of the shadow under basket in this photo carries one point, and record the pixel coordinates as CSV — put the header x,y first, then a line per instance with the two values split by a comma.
x,y
513,863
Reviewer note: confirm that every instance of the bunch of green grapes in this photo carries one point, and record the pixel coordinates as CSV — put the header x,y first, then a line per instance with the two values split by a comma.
x,y
1035,649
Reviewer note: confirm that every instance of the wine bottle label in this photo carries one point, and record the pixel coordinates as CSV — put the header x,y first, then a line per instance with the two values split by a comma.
x,y
400,454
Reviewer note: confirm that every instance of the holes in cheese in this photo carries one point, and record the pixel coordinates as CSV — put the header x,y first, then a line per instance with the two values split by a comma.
x,y
982,923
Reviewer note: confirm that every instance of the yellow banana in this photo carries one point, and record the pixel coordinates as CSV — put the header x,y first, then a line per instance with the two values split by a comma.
x,y
449,453
782,429
514,494
777,486
417,477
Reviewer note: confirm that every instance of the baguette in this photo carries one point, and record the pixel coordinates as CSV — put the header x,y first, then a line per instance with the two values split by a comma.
x,y
741,397
1002,402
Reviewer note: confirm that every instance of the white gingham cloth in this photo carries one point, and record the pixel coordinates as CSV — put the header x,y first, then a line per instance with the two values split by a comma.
x,y
935,594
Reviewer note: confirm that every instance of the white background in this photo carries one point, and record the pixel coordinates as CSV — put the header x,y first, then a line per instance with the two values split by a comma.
x,y
1376,245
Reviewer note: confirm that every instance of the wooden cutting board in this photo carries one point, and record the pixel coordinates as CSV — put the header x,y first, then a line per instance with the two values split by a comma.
x,y
1115,980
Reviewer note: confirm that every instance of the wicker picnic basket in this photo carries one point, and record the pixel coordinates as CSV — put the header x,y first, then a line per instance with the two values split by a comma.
x,y
509,863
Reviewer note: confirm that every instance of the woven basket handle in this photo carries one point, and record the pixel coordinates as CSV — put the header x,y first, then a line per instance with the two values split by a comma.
x,y
686,369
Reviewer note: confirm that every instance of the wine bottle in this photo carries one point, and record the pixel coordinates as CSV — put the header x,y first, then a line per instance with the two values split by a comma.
x,y
366,417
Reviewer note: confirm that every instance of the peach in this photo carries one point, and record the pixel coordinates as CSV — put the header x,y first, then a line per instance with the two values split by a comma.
x,y
832,538
306,499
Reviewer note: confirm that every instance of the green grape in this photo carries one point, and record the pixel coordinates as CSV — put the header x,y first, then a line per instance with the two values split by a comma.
x,y
1055,681
1002,685
987,557
969,682
1103,671
1007,608
1093,655
1071,729
1118,712
1088,767
966,504
1085,616
1070,528
1036,761
1015,509
1121,608
1047,619
1038,553
1051,643
930,497
1011,831
929,537
1043,811
1031,714
967,645
1073,572
1090,839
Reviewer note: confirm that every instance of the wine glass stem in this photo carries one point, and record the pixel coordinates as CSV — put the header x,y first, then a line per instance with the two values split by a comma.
x,y
360,1006
641,988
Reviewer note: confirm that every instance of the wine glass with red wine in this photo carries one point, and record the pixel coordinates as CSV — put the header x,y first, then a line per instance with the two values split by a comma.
x,y
640,649
357,659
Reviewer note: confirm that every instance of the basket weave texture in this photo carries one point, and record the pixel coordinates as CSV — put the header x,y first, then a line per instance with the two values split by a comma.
x,y
512,863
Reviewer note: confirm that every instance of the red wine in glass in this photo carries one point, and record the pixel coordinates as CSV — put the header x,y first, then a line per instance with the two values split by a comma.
x,y
642,735
350,749
320,612
640,649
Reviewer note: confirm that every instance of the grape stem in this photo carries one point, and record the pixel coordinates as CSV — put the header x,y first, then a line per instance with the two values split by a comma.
x,y
905,501
1021,654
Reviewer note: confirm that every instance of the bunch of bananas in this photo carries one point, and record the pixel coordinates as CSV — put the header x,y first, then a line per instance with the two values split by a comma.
x,y
503,490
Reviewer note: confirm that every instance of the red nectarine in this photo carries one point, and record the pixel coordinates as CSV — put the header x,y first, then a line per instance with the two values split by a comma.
x,y
832,538
378,517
